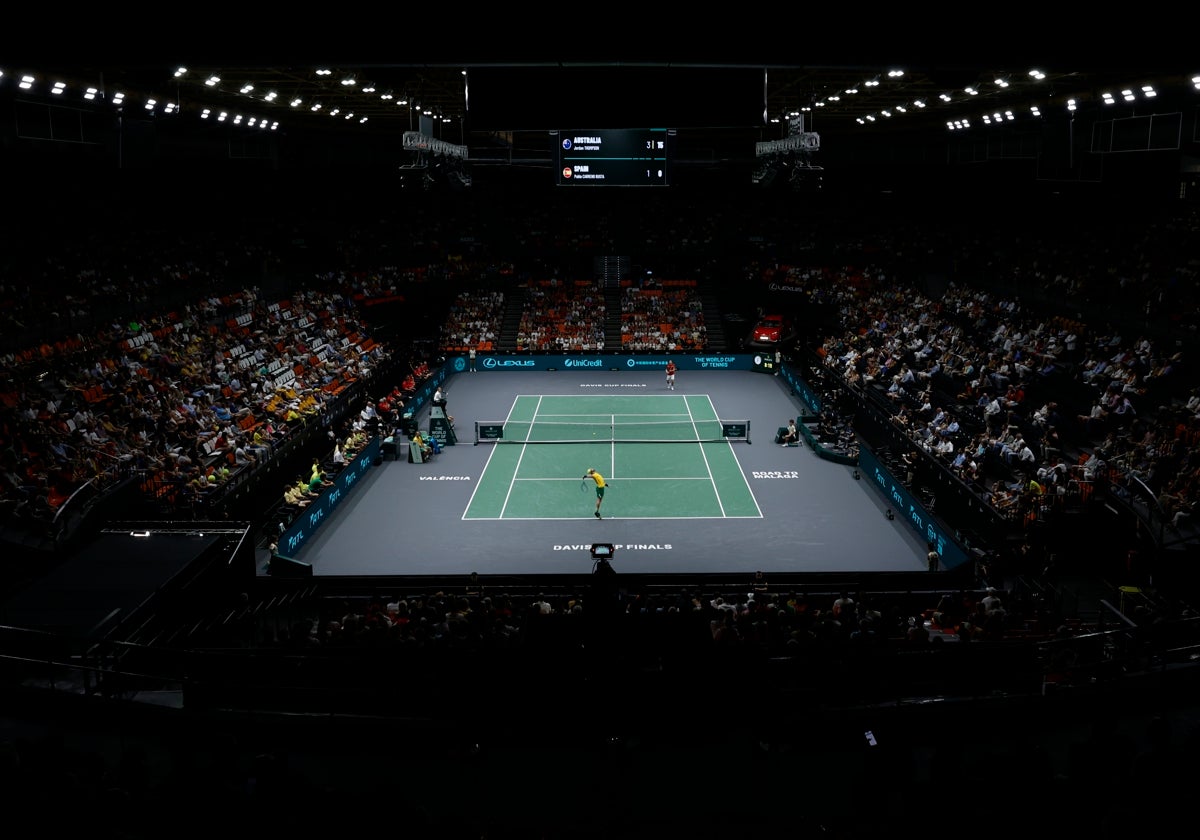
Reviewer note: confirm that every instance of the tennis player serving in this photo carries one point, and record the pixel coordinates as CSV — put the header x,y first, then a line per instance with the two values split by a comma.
x,y
599,479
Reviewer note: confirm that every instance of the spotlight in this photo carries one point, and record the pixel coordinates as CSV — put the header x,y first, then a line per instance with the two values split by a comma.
x,y
857,476
889,514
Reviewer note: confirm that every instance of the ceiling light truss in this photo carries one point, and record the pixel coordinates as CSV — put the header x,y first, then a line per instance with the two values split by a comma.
x,y
375,96
1128,93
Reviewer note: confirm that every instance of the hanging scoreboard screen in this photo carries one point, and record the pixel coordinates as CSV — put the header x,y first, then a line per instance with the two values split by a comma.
x,y
609,157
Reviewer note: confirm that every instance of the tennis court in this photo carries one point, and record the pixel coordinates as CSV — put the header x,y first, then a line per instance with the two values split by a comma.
x,y
662,457
684,497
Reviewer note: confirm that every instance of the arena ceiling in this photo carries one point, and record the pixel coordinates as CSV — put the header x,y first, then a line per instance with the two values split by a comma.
x,y
868,88
861,98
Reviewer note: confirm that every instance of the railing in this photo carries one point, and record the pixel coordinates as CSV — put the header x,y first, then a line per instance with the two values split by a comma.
x,y
972,499
239,677
1133,494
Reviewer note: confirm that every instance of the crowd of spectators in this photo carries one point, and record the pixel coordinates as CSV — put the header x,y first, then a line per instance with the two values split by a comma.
x,y
570,316
775,623
979,364
77,278
562,316
976,640
474,321
347,441
662,316
1029,405
184,399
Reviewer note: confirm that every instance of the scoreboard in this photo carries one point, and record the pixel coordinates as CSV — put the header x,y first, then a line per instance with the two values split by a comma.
x,y
615,157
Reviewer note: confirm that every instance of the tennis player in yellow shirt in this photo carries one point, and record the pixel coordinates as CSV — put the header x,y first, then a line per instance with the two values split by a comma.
x,y
599,479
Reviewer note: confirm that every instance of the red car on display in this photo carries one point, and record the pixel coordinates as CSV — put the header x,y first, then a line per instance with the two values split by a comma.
x,y
770,332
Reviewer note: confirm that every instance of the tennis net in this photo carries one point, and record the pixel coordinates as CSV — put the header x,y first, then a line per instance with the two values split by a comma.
x,y
611,431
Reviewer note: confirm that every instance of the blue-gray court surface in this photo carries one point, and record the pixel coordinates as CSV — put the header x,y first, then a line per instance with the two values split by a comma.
x,y
675,505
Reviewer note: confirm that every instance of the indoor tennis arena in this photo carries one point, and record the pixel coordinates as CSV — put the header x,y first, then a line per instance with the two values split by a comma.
x,y
343,479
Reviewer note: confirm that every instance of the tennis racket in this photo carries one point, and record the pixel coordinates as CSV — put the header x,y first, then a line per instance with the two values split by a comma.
x,y
583,486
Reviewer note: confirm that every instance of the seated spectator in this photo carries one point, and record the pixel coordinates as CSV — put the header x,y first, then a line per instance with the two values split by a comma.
x,y
318,483
242,457
791,435
420,441
293,498
302,487
259,443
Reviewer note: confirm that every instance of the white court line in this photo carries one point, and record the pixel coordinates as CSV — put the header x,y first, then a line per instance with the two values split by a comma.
x,y
612,451
630,478
623,414
606,518
613,444
471,500
520,458
487,464
742,471
704,455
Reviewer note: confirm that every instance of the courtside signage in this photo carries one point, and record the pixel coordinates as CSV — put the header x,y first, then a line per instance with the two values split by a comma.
x,y
313,516
628,547
550,362
910,510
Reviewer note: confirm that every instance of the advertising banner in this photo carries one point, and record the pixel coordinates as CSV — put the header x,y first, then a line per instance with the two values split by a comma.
x,y
599,361
312,517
